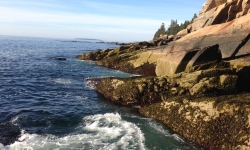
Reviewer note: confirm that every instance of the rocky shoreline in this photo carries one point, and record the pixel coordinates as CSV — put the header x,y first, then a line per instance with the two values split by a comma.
x,y
196,82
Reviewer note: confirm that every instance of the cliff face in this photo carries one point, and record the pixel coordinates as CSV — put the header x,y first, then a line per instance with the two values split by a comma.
x,y
225,23
232,39
199,79
220,11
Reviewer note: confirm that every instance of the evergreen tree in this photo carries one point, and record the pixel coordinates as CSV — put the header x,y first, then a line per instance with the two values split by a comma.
x,y
195,16
162,28
174,27
160,31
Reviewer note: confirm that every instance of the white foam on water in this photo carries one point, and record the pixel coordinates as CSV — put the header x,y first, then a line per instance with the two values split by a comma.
x,y
102,132
177,137
89,61
110,127
14,121
62,81
124,73
136,75
90,82
2,147
82,98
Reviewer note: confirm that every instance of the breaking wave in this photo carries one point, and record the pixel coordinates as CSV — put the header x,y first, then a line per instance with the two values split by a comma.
x,y
102,131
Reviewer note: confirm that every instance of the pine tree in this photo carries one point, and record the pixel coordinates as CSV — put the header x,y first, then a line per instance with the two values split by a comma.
x,y
162,28
174,27
160,31
195,16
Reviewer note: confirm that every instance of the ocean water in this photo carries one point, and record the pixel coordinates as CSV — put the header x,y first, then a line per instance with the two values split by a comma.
x,y
50,104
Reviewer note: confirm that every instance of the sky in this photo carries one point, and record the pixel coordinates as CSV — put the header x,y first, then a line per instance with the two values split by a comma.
x,y
108,20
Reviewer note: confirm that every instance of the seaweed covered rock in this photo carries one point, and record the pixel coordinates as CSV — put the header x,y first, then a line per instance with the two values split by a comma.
x,y
216,79
212,122
133,59
95,56
134,91
197,105
211,80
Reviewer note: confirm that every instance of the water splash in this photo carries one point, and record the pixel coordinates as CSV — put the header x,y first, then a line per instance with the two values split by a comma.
x,y
107,131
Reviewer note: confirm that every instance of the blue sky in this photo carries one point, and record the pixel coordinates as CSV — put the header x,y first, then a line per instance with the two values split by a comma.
x,y
109,20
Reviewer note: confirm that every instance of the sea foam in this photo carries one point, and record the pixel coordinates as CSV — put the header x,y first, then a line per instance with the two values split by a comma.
x,y
102,131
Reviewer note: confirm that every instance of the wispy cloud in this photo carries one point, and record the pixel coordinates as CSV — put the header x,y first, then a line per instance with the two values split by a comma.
x,y
77,24
120,19
20,15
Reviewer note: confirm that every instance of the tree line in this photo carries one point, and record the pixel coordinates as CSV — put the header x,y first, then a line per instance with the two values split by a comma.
x,y
173,28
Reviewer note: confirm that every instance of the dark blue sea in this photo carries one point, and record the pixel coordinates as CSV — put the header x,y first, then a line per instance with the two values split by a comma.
x,y
48,104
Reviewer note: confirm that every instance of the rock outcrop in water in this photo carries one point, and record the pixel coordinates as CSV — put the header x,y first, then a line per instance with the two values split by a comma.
x,y
212,122
134,58
197,82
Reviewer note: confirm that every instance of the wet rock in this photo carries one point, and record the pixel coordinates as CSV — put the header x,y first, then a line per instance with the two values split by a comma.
x,y
207,121
132,91
9,133
60,58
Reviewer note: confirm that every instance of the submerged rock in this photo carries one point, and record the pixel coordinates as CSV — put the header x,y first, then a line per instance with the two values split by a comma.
x,y
60,58
9,133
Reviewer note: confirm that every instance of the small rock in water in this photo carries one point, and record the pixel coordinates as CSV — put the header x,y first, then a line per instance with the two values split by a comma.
x,y
9,133
60,58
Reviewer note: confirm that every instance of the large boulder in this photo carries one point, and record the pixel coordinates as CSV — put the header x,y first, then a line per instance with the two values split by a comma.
x,y
183,32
